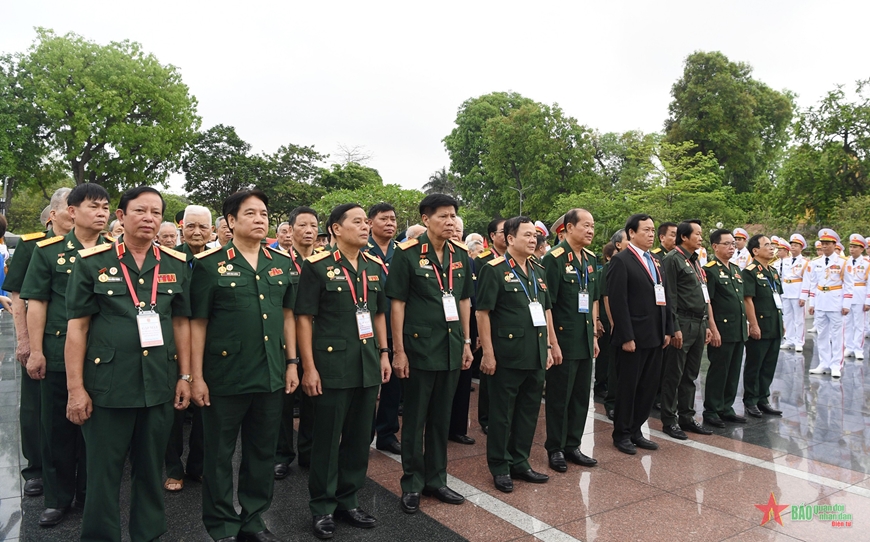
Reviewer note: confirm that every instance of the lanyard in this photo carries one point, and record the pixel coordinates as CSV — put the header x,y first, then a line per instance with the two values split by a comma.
x,y
655,279
772,284
353,290
449,277
293,256
130,283
531,274
585,274
696,268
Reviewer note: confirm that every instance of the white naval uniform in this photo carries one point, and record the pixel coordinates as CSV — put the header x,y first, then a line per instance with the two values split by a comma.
x,y
791,271
741,257
828,288
854,321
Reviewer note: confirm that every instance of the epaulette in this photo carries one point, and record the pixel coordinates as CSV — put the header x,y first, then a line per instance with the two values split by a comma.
x,y
174,253
51,241
558,251
484,254
373,258
32,236
280,251
319,249
109,238
495,261
536,261
750,267
589,251
85,252
408,244
711,263
314,258
208,252
463,246
656,250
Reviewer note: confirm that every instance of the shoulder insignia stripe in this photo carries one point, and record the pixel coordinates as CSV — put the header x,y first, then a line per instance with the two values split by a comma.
x,y
463,246
484,254
656,250
208,252
495,261
32,236
373,258
556,252
750,267
174,253
408,244
711,263
589,251
536,262
46,242
84,253
280,251
109,238
317,257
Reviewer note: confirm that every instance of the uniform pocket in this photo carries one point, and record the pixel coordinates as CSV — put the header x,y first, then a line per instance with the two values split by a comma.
x,y
225,295
98,361
330,356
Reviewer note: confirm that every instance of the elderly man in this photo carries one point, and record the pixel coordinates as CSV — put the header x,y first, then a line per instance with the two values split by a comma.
x,y
284,239
223,232
167,235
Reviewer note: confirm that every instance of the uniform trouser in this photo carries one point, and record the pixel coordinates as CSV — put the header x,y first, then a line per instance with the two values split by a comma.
x,y
29,423
340,451
637,382
387,417
174,450
761,356
723,378
829,340
567,403
602,364
483,401
109,434
682,366
63,447
286,452
854,324
258,416
426,419
794,321
461,404
612,378
514,405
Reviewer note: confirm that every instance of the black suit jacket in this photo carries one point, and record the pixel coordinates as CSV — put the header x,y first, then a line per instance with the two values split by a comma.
x,y
631,294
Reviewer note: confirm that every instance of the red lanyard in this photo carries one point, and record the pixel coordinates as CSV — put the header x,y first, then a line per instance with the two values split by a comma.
x,y
449,277
696,268
645,267
293,256
353,290
130,283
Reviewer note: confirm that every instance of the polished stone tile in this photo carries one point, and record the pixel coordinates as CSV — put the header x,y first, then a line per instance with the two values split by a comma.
x,y
820,468
760,534
10,482
818,529
10,518
471,521
9,413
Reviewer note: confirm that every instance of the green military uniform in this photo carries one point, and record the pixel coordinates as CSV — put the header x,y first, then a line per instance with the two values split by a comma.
x,y
434,348
132,388
659,253
568,274
29,411
520,350
684,283
63,449
726,297
483,389
244,364
761,354
350,373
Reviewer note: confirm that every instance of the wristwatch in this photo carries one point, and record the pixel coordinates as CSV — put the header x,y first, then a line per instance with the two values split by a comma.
x,y
293,361
467,341
186,378
385,351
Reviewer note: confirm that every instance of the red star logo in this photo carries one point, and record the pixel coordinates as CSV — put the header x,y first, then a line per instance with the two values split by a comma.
x,y
771,510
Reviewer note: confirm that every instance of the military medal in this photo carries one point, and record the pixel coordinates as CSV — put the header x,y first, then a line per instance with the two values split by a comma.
x,y
330,274
337,271
569,268
229,267
222,269
507,278
113,270
424,262
103,278
69,245
61,260
72,259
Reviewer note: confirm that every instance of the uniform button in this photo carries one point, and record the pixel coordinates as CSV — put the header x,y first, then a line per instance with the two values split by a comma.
x,y
141,303
415,335
725,320
57,334
761,316
338,289
265,316
97,361
145,353
540,334
232,285
560,328
224,353
261,296
266,338
329,349
515,289
175,356
510,335
110,292
258,277
427,275
69,270
168,291
280,282
364,341
141,281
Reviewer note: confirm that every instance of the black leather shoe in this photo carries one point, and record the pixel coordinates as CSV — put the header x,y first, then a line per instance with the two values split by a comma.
x,y
625,446
445,494
51,516
33,487
282,470
753,411
410,502
557,462
462,439
485,429
323,526
579,458
610,415
530,476
645,443
228,539
357,518
695,427
393,447
734,418
674,431
503,483
767,409
715,422
263,536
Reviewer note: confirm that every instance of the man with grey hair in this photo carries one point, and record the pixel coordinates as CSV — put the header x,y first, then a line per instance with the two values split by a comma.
x,y
284,239
474,242
223,233
167,235
414,231
459,231
58,222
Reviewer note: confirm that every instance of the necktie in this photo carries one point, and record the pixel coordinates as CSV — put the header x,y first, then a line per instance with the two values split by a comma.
x,y
650,265
826,261
853,261
793,260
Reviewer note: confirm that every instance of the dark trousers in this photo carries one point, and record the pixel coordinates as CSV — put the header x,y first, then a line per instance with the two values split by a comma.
x,y
461,405
567,403
602,363
258,417
175,449
428,396
723,377
64,474
286,452
109,434
636,387
29,423
483,400
340,451
682,366
515,403
761,357
612,377
386,424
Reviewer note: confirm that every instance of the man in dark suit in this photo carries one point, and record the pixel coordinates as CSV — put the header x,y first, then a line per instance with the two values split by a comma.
x,y
641,330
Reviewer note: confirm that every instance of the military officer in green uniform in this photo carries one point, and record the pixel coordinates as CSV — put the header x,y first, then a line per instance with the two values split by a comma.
x,y
516,329
342,340
667,232
60,223
127,364
570,276
762,290
63,449
243,345
431,306
728,332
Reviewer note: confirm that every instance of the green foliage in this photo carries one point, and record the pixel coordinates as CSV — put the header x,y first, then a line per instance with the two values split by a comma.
x,y
622,161
350,176
23,215
218,164
441,182
174,204
406,202
288,177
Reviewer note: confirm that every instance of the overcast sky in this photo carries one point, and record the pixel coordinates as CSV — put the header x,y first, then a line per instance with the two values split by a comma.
x,y
390,76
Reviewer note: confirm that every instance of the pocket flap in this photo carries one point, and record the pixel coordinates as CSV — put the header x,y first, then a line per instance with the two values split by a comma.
x,y
418,331
110,288
224,348
232,282
100,354
329,344
510,332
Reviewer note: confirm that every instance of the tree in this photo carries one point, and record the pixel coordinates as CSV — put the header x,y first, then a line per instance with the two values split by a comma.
x,y
31,200
174,205
218,164
113,113
624,161
348,177
406,202
440,182
288,177
743,122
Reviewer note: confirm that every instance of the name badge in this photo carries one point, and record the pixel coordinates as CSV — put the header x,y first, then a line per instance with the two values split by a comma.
x,y
537,312
660,294
150,332
777,300
451,313
583,302
364,324
706,293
